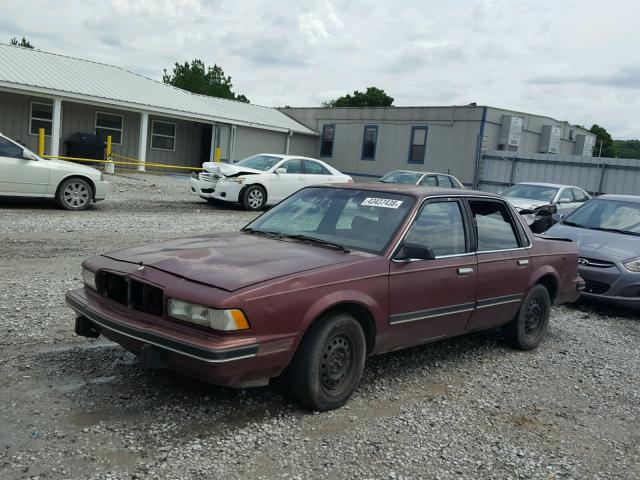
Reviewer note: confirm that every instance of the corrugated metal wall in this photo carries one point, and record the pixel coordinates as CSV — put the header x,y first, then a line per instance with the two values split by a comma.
x,y
597,175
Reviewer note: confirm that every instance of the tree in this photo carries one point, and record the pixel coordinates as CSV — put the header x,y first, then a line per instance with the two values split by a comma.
x,y
197,78
627,148
22,43
373,97
607,142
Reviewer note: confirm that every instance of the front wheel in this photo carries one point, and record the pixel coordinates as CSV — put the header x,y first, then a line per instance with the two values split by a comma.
x,y
530,324
254,198
74,194
329,362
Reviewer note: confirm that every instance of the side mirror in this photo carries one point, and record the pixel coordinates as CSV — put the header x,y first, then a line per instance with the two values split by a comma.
x,y
281,171
28,155
413,251
564,200
557,217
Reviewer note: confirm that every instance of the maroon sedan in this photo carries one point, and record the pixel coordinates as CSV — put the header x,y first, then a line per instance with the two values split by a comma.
x,y
325,279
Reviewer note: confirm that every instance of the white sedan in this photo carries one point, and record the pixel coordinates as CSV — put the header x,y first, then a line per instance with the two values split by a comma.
x,y
25,174
262,179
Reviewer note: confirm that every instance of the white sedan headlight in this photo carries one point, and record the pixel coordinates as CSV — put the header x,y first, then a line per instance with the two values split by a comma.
x,y
239,180
633,265
225,320
89,278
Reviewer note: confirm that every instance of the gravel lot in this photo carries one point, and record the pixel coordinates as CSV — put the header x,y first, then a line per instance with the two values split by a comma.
x,y
467,408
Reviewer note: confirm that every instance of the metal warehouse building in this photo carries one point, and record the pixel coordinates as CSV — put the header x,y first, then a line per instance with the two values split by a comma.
x,y
369,142
147,120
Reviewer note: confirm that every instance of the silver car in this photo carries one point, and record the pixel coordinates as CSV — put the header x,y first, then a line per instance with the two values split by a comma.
x,y
428,179
606,231
537,202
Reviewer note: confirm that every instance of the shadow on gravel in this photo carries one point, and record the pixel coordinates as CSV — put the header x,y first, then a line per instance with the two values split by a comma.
x,y
605,309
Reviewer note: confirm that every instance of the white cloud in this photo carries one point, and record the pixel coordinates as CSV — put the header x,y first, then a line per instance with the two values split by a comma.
x,y
304,52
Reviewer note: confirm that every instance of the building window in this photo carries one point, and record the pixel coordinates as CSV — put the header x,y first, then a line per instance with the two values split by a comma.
x,y
369,139
41,117
326,145
109,124
418,144
163,135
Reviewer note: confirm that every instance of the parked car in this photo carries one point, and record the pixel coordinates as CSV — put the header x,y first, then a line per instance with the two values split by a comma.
x,y
606,231
537,202
25,174
326,278
263,179
429,179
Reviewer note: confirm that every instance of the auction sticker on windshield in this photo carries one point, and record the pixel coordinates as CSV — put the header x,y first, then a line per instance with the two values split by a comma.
x,y
381,202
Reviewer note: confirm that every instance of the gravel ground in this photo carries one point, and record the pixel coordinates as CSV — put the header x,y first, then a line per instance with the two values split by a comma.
x,y
466,408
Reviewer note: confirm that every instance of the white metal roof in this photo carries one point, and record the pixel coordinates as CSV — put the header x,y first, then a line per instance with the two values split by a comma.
x,y
52,74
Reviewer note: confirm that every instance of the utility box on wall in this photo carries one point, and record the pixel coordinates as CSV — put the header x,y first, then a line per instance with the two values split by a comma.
x,y
510,133
551,138
584,145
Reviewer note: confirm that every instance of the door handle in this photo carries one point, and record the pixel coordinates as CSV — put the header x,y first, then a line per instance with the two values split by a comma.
x,y
522,263
465,271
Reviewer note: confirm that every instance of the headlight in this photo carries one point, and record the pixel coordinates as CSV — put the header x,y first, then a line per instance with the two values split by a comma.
x,y
235,179
225,320
633,265
89,278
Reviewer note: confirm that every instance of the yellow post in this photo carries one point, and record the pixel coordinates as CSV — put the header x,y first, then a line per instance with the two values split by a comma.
x,y
109,167
218,154
41,141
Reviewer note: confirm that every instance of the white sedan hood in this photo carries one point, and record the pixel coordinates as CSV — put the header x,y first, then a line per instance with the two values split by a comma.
x,y
63,165
226,170
525,203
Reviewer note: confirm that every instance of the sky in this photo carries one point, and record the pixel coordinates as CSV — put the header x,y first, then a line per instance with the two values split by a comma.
x,y
571,60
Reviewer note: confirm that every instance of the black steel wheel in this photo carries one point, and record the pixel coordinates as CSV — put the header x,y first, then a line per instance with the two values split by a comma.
x,y
530,324
328,364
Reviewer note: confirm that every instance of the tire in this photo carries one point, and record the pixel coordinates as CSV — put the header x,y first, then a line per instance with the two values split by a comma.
x,y
74,194
530,324
328,364
254,198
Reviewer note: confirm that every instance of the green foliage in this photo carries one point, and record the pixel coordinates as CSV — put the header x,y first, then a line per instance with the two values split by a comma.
x,y
373,97
22,43
607,142
196,78
627,148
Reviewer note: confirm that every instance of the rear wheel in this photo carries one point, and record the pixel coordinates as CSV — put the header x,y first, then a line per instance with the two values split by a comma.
x,y
530,324
74,194
254,198
329,362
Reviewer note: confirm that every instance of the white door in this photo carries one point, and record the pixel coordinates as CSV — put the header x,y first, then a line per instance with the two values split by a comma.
x,y
284,184
317,174
20,176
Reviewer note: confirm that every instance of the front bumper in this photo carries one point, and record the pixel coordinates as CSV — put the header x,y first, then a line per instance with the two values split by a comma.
x,y
222,361
202,188
228,191
614,285
102,189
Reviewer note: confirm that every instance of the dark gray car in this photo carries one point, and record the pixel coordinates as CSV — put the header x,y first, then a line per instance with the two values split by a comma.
x,y
606,231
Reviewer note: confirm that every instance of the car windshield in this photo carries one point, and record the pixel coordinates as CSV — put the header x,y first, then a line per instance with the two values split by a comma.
x,y
605,214
531,192
338,217
399,176
259,162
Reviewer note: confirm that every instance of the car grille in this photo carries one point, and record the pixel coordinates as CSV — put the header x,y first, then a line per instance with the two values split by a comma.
x,y
598,288
132,293
208,177
594,262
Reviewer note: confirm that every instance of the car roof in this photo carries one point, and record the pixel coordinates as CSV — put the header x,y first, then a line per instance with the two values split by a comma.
x,y
417,191
543,184
421,173
621,198
284,156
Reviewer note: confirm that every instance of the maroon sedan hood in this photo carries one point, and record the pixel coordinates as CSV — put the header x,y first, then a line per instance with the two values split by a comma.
x,y
231,261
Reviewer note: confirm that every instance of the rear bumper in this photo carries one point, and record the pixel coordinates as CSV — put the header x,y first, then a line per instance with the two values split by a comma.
x,y
213,361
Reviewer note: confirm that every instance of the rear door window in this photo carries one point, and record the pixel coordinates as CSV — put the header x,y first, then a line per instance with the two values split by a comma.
x,y
495,229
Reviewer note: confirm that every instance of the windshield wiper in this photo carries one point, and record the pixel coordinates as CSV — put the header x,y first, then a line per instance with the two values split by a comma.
x,y
615,230
572,224
268,233
319,241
